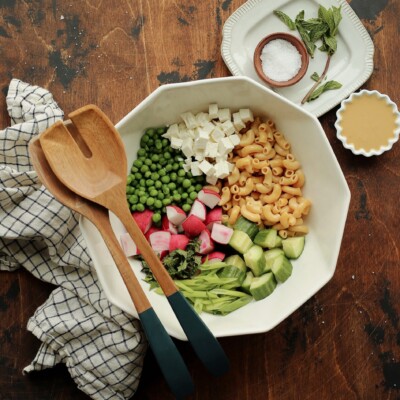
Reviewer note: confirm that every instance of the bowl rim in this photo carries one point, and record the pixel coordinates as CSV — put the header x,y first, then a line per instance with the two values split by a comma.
x,y
295,41
343,138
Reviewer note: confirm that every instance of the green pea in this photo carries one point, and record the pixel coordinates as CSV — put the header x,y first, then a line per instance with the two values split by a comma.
x,y
166,190
140,207
172,186
147,174
158,203
133,207
158,184
153,192
150,131
158,144
177,197
191,189
130,190
165,179
198,187
138,175
186,207
162,172
161,130
166,202
155,176
168,167
186,183
150,201
167,155
165,142
155,158
160,195
143,199
184,195
142,183
181,172
179,180
149,182
141,152
144,169
133,199
153,167
193,195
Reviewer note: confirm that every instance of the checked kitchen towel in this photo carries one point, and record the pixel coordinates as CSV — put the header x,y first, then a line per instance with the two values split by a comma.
x,y
102,347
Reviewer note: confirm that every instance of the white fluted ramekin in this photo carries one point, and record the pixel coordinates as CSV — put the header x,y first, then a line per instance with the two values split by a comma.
x,y
384,147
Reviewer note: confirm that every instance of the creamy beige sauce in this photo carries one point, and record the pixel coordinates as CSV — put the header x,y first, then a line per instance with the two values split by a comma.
x,y
368,122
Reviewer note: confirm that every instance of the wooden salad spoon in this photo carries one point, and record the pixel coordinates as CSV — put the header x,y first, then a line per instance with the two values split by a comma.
x,y
169,359
94,166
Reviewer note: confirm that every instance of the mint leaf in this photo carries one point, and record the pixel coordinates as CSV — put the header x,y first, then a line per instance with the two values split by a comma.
x,y
330,85
315,77
285,19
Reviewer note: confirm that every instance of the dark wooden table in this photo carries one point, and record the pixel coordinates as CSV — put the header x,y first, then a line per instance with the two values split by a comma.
x,y
344,343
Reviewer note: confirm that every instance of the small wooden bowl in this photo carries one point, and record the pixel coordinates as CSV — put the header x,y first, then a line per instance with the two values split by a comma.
x,y
296,43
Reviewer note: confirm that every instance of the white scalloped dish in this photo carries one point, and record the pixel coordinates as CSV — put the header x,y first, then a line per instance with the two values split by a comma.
x,y
368,123
351,65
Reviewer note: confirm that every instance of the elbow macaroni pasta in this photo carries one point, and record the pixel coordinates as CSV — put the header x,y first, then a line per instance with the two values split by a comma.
x,y
265,185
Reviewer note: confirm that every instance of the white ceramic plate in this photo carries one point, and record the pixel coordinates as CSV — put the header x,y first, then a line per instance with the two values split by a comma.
x,y
351,65
325,186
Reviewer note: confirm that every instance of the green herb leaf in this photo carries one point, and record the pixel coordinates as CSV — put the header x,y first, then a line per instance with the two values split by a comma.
x,y
337,17
315,77
285,19
318,31
327,16
310,46
329,44
330,85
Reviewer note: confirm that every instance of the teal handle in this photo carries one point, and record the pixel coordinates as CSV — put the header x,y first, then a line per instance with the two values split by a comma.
x,y
169,359
204,343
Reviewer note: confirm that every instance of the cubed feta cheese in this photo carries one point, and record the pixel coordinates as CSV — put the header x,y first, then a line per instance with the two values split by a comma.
x,y
237,122
211,149
217,134
176,143
221,169
202,118
189,119
228,128
246,115
235,139
194,168
207,168
172,131
200,144
225,146
212,180
224,114
213,111
201,133
187,147
208,127
199,155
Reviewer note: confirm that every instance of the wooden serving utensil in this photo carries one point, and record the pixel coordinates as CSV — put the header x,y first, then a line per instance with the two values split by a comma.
x,y
164,349
94,166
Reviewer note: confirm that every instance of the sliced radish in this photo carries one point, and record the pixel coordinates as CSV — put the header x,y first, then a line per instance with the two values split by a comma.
x,y
143,219
221,233
175,214
160,241
128,245
209,197
193,225
206,244
215,256
167,225
198,209
178,242
213,216
150,231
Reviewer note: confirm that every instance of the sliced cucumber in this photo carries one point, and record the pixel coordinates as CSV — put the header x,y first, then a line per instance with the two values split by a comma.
x,y
231,271
266,238
278,242
270,255
244,225
247,281
263,286
293,246
255,260
236,260
282,268
240,241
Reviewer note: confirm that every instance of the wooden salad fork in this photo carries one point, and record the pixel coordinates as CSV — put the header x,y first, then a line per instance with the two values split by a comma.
x,y
169,359
91,161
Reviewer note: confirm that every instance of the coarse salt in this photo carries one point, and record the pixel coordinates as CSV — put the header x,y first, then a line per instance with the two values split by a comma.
x,y
280,60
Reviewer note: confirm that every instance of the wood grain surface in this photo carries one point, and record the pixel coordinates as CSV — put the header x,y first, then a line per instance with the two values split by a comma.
x,y
344,343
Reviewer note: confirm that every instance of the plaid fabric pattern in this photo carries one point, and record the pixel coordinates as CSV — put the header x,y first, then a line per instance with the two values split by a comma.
x,y
102,347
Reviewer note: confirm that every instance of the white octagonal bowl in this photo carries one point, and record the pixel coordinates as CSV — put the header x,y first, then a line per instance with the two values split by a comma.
x,y
325,187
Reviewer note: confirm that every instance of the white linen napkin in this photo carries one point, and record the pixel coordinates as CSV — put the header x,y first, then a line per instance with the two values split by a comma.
x,y
102,347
